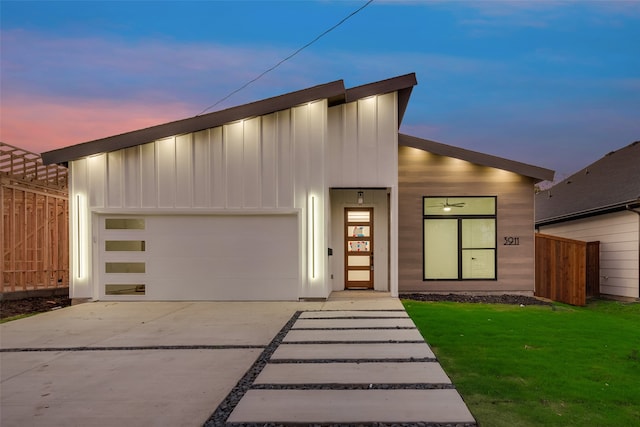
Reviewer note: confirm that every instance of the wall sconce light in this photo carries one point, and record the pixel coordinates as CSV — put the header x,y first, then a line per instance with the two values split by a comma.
x,y
360,197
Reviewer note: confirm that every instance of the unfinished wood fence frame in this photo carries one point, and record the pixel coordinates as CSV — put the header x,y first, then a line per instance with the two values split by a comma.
x,y
35,226
567,270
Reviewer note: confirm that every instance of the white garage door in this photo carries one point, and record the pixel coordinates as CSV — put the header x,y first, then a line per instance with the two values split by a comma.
x,y
192,257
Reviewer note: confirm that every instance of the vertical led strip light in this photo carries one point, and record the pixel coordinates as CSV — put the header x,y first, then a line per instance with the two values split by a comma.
x,y
81,236
312,225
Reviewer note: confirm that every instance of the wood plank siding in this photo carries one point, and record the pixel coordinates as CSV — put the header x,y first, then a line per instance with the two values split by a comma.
x,y
425,174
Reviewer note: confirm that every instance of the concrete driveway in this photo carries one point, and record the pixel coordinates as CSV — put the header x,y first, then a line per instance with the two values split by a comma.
x,y
169,363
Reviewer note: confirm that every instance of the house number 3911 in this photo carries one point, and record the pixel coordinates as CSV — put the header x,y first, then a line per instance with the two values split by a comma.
x,y
511,241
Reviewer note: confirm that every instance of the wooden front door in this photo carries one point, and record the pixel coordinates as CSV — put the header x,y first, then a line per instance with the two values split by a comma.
x,y
358,238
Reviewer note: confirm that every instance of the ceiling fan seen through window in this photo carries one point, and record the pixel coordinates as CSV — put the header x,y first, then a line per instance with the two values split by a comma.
x,y
446,206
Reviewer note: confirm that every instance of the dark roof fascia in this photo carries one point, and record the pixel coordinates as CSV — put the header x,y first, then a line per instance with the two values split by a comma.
x,y
403,101
630,205
402,84
537,173
334,91
383,86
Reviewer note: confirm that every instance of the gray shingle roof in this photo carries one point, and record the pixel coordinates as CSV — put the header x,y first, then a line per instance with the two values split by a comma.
x,y
610,184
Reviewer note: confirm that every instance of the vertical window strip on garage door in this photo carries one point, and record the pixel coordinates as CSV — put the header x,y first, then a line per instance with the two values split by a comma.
x,y
121,247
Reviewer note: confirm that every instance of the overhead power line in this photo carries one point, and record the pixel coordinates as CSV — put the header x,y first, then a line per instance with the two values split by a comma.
x,y
287,58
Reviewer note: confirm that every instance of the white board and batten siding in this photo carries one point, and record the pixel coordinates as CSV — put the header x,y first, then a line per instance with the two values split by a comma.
x,y
249,164
362,153
619,235
362,143
262,174
256,174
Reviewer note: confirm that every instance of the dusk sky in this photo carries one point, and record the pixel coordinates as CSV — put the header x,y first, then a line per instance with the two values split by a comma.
x,y
555,84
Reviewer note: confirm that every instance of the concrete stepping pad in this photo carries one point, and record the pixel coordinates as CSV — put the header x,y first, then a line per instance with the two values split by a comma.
x,y
352,313
353,335
353,351
347,367
353,373
353,323
351,406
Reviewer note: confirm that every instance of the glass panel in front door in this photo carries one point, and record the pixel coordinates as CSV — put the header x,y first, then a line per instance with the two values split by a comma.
x,y
358,238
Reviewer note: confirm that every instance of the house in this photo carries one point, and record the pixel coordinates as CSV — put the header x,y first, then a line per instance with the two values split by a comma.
x,y
289,198
601,203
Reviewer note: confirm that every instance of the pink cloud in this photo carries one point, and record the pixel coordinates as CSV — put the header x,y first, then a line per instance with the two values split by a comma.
x,y
42,124
60,91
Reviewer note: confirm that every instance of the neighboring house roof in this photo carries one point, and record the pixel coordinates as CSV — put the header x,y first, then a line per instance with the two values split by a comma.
x,y
610,184
535,172
334,92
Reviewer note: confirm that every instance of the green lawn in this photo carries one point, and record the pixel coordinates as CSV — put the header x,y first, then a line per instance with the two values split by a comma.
x,y
539,365
19,316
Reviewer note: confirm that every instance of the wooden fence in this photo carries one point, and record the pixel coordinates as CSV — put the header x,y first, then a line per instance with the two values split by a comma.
x,y
566,270
35,230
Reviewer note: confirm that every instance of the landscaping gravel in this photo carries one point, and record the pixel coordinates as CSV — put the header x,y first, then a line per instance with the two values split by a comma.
x,y
484,299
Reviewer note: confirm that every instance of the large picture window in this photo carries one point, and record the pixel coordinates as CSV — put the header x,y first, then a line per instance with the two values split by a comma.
x,y
459,238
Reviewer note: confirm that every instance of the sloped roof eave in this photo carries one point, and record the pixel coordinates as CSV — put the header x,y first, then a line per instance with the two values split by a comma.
x,y
537,173
335,92
194,124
